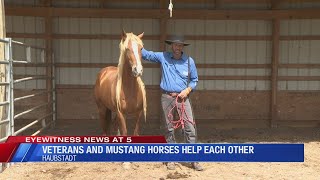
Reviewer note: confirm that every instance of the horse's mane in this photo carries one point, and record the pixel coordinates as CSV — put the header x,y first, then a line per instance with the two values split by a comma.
x,y
123,44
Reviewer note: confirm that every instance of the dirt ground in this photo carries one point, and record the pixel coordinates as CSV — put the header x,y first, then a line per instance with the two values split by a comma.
x,y
309,169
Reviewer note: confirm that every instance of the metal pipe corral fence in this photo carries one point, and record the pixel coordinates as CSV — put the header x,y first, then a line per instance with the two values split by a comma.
x,y
8,122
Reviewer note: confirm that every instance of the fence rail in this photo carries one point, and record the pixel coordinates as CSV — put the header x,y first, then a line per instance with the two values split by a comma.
x,y
32,95
8,123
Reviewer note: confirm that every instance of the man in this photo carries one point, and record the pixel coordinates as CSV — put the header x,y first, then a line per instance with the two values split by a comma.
x,y
179,78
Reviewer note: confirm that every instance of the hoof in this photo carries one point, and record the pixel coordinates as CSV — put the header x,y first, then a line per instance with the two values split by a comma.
x,y
126,165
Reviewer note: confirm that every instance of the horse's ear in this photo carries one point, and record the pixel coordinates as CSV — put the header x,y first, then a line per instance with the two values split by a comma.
x,y
123,34
141,35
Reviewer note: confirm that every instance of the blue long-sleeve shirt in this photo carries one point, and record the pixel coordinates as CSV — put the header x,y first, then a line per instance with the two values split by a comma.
x,y
174,72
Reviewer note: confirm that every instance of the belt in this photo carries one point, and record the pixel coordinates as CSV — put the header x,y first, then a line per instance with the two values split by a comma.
x,y
172,94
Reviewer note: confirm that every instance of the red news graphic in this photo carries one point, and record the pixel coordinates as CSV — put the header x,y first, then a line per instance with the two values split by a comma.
x,y
8,149
86,139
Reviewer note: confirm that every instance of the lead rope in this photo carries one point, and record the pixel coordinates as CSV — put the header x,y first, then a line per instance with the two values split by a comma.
x,y
181,111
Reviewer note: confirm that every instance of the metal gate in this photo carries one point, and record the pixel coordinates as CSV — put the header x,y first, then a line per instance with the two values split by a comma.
x,y
7,121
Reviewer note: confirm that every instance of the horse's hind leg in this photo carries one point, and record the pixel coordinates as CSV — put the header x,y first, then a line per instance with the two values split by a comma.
x,y
105,120
136,129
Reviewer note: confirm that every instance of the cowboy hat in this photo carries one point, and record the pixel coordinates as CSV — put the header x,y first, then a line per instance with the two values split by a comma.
x,y
176,39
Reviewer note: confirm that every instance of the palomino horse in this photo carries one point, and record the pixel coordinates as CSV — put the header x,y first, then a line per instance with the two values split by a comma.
x,y
121,89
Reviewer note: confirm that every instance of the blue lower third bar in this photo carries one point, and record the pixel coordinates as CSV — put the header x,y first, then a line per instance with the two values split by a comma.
x,y
160,153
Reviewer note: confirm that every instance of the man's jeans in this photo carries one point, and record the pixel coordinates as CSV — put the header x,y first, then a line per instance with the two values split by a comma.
x,y
168,102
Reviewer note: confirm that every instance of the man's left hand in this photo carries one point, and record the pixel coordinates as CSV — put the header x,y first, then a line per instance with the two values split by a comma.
x,y
185,93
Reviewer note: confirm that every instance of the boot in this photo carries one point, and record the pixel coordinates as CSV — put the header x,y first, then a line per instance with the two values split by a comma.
x,y
171,166
196,166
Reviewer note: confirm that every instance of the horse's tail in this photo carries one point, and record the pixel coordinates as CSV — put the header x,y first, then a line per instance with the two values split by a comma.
x,y
144,97
96,86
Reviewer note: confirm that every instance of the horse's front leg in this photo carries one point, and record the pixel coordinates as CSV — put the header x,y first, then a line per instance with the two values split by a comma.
x,y
136,129
115,126
122,124
105,119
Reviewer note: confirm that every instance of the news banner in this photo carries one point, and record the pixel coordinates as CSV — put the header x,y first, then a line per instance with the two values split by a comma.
x,y
140,149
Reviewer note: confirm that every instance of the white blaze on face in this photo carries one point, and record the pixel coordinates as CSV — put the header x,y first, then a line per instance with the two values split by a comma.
x,y
136,55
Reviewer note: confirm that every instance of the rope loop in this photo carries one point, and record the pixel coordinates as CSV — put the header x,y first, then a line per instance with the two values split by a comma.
x,y
181,111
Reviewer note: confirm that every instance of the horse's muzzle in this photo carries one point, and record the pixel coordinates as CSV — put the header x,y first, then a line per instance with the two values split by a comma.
x,y
137,73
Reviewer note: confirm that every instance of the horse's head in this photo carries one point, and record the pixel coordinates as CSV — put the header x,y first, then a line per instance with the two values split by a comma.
x,y
131,46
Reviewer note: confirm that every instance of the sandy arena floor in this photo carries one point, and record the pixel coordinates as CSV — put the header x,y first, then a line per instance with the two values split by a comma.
x,y
310,169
